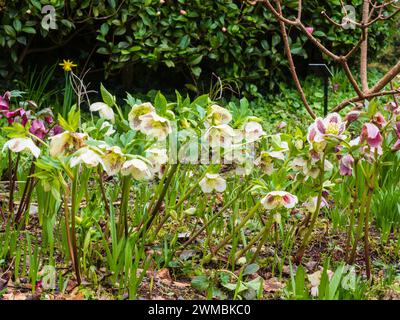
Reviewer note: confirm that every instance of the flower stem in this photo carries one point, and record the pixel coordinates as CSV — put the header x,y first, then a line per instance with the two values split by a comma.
x,y
307,236
236,230
123,218
353,209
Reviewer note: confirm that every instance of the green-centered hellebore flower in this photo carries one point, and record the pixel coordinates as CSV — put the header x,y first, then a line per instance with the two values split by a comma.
x,y
137,111
212,182
137,168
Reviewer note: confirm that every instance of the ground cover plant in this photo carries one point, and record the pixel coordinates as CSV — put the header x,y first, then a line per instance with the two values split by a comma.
x,y
205,196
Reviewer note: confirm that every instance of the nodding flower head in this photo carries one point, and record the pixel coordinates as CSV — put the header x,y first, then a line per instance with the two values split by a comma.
x,y
5,101
212,182
105,111
38,129
352,115
371,134
379,120
21,144
217,115
346,165
278,199
155,126
253,131
137,168
17,115
137,111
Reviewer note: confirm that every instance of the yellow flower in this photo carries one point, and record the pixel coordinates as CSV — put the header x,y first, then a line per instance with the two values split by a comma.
x,y
67,65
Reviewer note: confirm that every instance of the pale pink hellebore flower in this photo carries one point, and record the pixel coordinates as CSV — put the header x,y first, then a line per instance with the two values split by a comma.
x,y
346,165
371,134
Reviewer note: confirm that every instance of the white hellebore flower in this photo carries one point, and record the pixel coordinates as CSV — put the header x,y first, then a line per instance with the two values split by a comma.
x,y
137,168
277,199
88,157
220,136
110,129
20,144
137,111
253,131
157,157
217,115
265,160
155,126
105,111
212,182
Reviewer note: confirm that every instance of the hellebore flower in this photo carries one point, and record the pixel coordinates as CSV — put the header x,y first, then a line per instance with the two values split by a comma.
x,y
379,119
315,140
346,165
137,111
5,101
105,111
17,114
220,136
88,157
212,182
277,199
265,160
371,134
155,126
110,129
113,159
157,157
21,144
315,280
64,140
38,129
57,129
217,115
396,146
253,131
137,168
331,126
352,115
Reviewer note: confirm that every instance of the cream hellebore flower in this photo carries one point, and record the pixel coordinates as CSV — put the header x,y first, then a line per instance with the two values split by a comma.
x,y
105,111
113,159
315,280
265,160
88,157
110,129
217,115
137,168
137,111
62,141
157,157
212,182
277,199
220,136
21,144
155,126
253,131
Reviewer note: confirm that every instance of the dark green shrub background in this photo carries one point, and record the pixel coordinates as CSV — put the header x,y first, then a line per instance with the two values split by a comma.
x,y
159,45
